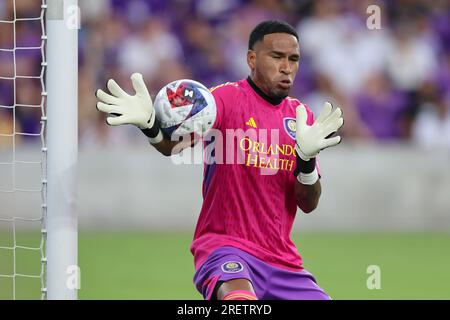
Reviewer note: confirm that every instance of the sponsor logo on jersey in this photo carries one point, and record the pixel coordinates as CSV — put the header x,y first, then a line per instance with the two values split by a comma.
x,y
251,122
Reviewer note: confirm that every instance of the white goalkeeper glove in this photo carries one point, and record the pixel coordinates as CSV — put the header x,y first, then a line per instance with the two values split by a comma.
x,y
136,110
310,140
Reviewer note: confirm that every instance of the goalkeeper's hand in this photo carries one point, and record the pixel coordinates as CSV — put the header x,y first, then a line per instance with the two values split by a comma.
x,y
310,140
125,109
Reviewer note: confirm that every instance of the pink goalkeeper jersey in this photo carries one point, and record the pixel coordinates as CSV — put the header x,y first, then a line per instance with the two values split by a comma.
x,y
251,204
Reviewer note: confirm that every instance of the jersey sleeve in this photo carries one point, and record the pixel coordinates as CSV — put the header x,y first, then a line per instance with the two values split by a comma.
x,y
220,106
222,93
310,118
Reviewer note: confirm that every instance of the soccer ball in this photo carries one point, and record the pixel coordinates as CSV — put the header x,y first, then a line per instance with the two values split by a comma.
x,y
185,107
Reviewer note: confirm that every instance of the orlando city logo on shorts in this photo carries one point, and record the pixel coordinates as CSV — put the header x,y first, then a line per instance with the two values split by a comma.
x,y
232,267
290,126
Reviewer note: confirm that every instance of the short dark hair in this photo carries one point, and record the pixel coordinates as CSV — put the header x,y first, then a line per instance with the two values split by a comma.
x,y
268,27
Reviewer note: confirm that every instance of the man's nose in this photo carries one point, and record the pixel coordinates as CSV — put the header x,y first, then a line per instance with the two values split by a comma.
x,y
285,67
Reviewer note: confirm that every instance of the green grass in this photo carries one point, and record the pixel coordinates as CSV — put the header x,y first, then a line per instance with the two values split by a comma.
x,y
159,265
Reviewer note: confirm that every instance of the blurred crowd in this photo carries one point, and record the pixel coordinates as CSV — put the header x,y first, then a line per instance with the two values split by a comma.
x,y
392,83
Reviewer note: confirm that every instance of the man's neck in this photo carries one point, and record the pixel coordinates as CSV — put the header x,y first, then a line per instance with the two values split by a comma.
x,y
272,100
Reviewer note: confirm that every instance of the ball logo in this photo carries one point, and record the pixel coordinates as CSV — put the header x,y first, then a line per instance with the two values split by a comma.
x,y
290,126
185,95
232,267
189,93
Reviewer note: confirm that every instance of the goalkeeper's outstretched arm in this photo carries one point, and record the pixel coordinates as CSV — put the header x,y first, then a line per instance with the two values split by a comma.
x,y
310,140
137,110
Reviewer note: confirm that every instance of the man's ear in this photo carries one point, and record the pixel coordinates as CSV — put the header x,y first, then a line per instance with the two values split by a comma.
x,y
251,59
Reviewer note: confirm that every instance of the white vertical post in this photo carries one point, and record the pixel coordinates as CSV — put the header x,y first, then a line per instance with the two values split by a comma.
x,y
62,143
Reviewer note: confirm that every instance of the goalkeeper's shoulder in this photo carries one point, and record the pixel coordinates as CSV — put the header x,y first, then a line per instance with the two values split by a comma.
x,y
294,103
225,87
226,91
226,95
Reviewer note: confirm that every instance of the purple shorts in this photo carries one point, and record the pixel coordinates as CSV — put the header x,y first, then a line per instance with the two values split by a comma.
x,y
269,282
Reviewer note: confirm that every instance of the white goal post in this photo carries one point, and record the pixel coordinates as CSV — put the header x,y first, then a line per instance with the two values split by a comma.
x,y
20,183
62,144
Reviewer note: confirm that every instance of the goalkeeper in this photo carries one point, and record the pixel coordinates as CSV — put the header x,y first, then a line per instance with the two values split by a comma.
x,y
242,247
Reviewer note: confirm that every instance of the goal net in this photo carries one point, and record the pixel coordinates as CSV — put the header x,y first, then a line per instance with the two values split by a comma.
x,y
37,243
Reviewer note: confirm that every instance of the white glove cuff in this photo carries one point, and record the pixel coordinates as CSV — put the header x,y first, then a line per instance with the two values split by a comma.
x,y
159,137
150,123
301,154
308,178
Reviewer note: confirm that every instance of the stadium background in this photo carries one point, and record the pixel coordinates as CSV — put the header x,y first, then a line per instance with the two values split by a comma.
x,y
386,188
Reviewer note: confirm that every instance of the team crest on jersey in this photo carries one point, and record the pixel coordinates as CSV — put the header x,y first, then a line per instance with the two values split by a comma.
x,y
232,267
290,126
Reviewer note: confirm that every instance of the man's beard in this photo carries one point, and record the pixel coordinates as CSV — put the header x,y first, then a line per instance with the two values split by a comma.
x,y
278,94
